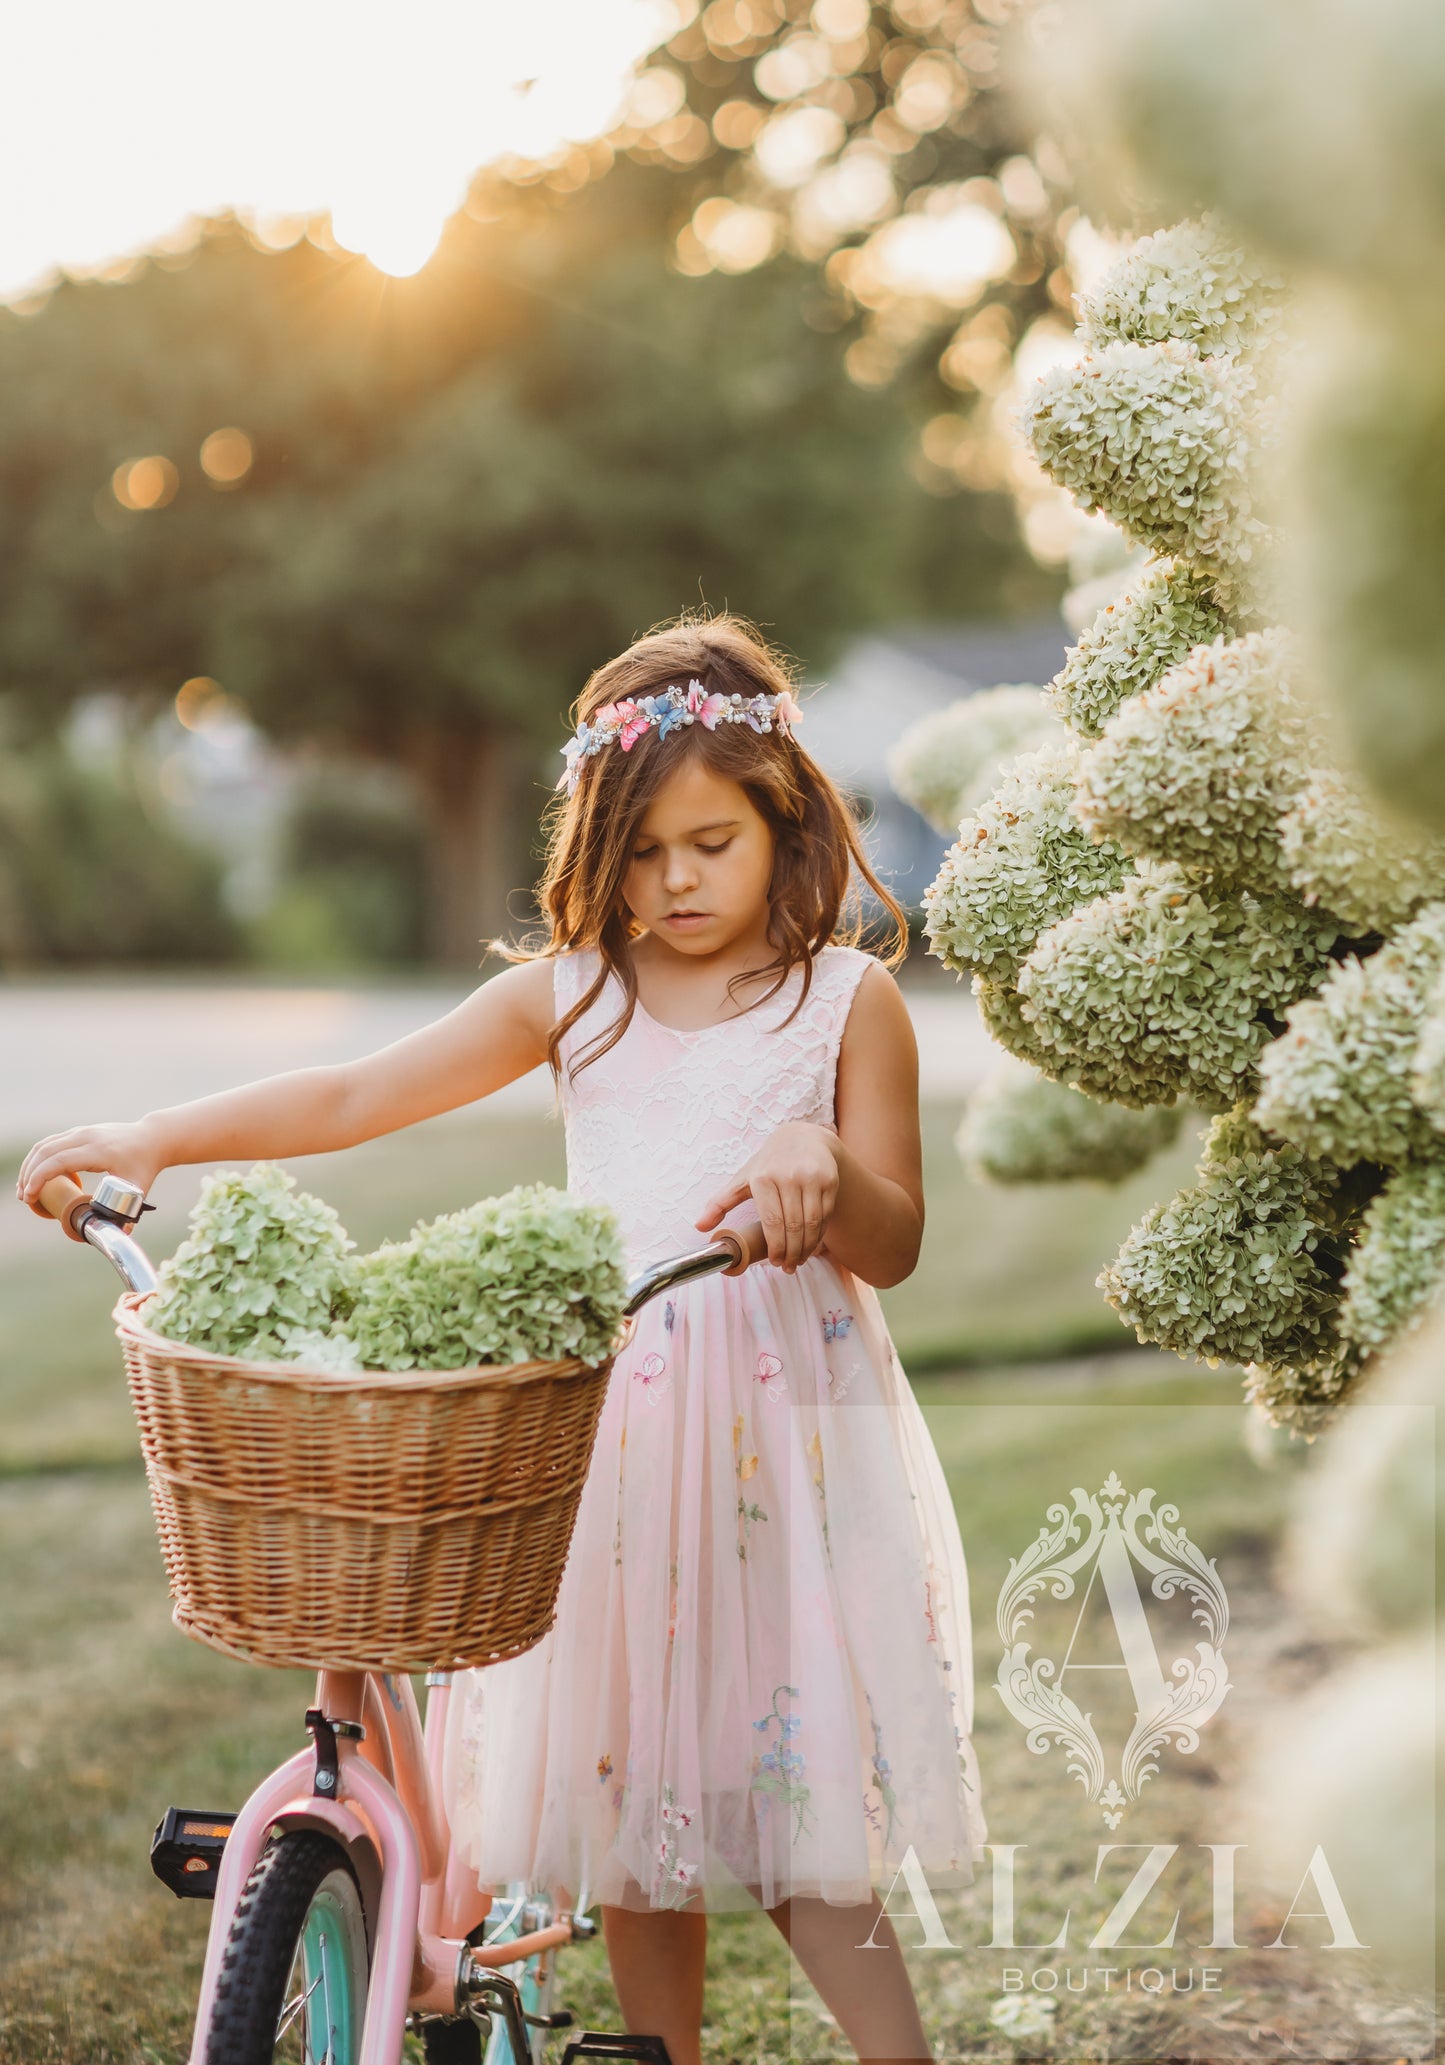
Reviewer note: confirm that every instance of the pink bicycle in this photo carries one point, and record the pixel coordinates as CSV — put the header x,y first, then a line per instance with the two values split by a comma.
x,y
341,1918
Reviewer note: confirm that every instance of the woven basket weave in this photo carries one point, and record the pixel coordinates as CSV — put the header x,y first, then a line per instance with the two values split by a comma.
x,y
400,1522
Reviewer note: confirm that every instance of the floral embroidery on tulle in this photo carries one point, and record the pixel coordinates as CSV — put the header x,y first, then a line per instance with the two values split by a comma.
x,y
673,1876
838,1387
672,1599
669,1314
836,1324
748,1511
815,1450
604,1767
779,1770
769,1373
882,1774
617,1531
653,1377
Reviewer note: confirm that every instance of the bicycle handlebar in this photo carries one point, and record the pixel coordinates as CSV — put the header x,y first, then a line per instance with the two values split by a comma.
x,y
103,1218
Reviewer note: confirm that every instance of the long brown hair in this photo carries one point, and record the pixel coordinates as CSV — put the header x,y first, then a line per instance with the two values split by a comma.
x,y
818,857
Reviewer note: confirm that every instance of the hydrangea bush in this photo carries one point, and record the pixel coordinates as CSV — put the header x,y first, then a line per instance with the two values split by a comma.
x,y
1164,441
1020,1127
1186,898
1190,282
1134,640
1169,987
1237,1268
949,762
1019,863
267,1273
1198,768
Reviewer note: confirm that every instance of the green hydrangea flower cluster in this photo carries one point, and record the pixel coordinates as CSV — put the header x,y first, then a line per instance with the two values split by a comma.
x,y
1160,439
1237,1268
1191,282
268,1273
1134,640
258,1272
1018,864
1304,1401
1022,1128
1000,1008
531,1275
1427,1077
1339,851
1339,1080
1240,864
1198,769
1397,1262
1166,988
947,763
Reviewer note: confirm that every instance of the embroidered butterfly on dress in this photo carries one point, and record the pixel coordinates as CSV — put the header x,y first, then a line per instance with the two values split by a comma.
x,y
769,1373
653,1378
836,1324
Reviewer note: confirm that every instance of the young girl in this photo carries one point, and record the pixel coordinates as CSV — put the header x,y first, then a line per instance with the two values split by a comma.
x,y
758,1684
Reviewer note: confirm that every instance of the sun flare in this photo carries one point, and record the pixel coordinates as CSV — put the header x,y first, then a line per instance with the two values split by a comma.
x,y
116,135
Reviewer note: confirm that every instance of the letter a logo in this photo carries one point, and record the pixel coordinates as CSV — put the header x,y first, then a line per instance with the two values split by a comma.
x,y
1107,1538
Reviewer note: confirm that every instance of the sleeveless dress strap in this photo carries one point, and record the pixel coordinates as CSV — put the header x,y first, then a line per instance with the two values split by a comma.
x,y
571,974
837,973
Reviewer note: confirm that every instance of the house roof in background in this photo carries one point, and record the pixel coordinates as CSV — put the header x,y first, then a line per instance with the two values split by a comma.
x,y
983,655
887,680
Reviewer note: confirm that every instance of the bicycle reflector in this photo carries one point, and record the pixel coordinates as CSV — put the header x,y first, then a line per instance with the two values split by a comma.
x,y
186,1850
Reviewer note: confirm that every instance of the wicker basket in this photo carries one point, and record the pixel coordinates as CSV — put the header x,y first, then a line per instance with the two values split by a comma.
x,y
415,1521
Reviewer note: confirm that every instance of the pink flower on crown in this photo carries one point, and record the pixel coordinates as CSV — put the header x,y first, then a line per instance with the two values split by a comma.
x,y
699,703
635,723
786,708
609,715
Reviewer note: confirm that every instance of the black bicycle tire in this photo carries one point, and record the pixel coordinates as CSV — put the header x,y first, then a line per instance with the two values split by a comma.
x,y
261,1946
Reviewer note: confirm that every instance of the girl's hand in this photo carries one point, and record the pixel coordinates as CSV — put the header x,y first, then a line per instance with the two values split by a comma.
x,y
793,1179
120,1150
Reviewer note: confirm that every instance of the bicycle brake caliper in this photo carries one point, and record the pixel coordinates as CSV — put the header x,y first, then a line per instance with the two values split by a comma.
x,y
325,1732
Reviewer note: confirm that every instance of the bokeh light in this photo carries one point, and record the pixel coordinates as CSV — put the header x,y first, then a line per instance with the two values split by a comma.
x,y
226,457
148,483
201,702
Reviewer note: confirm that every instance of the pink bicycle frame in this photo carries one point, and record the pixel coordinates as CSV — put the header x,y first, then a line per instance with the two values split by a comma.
x,y
386,1814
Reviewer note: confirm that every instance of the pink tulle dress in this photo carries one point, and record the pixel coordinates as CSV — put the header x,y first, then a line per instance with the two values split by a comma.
x,y
759,1680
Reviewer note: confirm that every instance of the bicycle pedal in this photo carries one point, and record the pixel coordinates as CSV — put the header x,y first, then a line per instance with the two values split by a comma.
x,y
186,1850
607,2043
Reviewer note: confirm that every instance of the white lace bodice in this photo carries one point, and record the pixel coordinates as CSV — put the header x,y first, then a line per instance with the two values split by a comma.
x,y
664,1117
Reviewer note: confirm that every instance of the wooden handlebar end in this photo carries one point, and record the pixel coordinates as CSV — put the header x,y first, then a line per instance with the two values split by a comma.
x,y
59,1200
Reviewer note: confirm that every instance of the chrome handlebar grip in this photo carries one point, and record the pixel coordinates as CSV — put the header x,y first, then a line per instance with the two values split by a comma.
x,y
126,1256
678,1269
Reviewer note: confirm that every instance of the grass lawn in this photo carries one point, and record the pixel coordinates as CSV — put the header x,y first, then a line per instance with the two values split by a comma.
x,y
107,1714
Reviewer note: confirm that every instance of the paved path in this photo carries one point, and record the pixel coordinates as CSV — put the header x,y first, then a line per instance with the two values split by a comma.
x,y
74,1052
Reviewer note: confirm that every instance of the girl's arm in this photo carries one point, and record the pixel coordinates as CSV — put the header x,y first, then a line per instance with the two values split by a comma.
x,y
863,1187
498,1034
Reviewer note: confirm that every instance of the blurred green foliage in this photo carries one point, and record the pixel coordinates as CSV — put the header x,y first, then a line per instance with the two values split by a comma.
x,y
90,871
468,489
352,871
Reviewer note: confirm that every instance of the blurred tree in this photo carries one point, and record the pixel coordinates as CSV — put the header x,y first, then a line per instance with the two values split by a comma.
x,y
878,140
441,501
91,872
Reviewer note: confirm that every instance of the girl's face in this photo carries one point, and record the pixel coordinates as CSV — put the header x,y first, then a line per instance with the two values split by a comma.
x,y
702,859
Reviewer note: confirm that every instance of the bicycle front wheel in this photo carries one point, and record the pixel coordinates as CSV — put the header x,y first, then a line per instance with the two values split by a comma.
x,y
294,1972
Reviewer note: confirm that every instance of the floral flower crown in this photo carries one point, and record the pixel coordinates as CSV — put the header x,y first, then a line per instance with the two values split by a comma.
x,y
624,723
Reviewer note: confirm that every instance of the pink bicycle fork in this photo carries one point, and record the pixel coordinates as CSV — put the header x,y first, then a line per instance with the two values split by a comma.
x,y
382,1803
